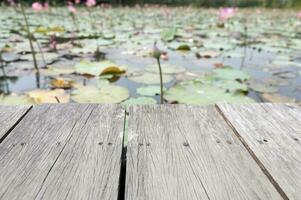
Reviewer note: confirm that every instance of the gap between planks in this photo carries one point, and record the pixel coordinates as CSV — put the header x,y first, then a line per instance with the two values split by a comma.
x,y
6,134
253,155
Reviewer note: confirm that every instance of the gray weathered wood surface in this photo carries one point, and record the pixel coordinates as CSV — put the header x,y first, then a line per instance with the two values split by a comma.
x,y
63,152
189,152
273,134
9,116
74,151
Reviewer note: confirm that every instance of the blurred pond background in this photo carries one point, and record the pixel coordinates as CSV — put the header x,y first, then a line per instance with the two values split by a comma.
x,y
208,3
88,51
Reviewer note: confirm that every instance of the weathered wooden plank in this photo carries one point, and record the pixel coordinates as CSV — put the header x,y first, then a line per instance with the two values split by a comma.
x,y
189,152
69,151
9,116
272,133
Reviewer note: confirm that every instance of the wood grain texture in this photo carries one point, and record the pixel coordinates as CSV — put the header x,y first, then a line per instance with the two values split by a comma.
x,y
273,134
69,151
189,152
9,116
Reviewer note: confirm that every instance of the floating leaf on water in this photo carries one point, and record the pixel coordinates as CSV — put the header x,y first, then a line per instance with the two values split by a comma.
x,y
108,35
169,35
179,46
51,30
98,68
139,101
150,78
49,96
232,86
149,90
166,69
229,73
14,99
194,92
55,71
62,83
106,94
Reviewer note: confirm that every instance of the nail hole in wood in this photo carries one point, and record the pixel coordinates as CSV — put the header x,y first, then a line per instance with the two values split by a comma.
x,y
23,143
100,143
218,141
296,139
109,143
229,142
265,140
186,144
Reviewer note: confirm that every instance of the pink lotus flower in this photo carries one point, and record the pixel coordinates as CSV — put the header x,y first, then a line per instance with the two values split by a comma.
x,y
226,13
90,3
77,1
72,9
36,6
299,15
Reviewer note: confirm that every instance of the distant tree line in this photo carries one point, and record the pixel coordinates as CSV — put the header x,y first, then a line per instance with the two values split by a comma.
x,y
207,3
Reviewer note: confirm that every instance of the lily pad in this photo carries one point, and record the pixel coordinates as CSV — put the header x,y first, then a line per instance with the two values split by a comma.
x,y
14,99
54,71
49,96
149,90
229,73
106,94
169,35
139,101
232,86
194,92
179,46
62,83
98,68
150,78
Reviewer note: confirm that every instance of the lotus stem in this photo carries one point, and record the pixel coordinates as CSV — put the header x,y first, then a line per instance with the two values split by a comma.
x,y
29,35
161,82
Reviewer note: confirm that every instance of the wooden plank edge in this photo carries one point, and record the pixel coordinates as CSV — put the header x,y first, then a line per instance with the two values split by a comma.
x,y
253,155
123,158
15,124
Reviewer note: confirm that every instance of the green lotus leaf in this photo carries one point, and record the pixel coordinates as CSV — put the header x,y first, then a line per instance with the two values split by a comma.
x,y
150,78
14,99
139,101
149,90
106,94
98,68
194,92
229,73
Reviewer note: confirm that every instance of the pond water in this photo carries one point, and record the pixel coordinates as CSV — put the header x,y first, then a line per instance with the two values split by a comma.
x,y
254,56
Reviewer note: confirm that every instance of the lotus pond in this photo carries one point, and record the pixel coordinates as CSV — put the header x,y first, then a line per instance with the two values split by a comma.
x,y
104,55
